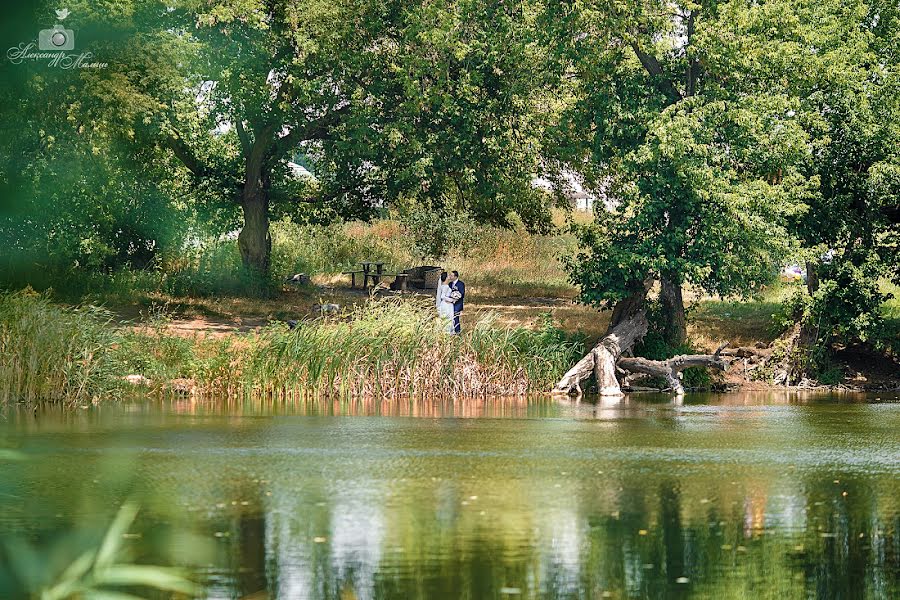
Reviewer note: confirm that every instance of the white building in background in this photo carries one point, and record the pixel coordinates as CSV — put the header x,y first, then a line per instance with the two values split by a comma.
x,y
572,189
299,171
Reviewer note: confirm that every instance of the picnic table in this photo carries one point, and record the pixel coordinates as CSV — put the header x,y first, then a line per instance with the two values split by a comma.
x,y
425,276
374,270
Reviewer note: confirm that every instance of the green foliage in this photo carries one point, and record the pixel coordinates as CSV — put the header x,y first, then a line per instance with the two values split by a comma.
x,y
203,104
847,306
701,167
97,572
846,309
436,233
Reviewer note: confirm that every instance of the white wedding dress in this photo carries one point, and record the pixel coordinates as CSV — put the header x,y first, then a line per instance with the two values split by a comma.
x,y
444,305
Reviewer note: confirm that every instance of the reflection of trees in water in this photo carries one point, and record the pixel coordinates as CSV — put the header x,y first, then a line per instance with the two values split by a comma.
x,y
633,536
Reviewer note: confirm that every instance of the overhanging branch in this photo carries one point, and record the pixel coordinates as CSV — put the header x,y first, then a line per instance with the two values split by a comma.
x,y
317,129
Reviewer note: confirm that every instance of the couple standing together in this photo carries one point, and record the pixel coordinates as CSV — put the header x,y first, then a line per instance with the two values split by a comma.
x,y
449,300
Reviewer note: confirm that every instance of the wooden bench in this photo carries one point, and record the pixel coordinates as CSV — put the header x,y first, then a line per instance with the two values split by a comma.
x,y
400,279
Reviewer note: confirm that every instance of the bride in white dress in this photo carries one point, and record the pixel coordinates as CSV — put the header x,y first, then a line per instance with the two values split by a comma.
x,y
444,303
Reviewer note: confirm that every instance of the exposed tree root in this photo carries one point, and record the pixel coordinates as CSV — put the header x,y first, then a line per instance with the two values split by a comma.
x,y
603,360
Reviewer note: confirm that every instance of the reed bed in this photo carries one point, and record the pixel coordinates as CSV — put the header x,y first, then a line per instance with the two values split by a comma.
x,y
49,353
394,348
389,349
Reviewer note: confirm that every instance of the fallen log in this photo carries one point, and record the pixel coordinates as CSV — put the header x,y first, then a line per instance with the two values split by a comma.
x,y
601,360
671,368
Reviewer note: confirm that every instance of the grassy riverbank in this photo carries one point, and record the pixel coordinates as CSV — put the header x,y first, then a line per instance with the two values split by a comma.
x,y
387,348
193,320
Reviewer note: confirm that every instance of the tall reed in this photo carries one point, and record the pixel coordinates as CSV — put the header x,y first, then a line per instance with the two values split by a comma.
x,y
389,348
396,348
51,353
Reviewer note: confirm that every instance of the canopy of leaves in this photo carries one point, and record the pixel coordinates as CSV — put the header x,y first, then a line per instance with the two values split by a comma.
x,y
697,146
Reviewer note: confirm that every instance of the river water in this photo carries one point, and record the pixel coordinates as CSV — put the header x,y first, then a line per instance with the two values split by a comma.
x,y
721,496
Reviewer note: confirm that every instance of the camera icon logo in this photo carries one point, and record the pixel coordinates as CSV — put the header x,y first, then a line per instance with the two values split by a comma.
x,y
56,38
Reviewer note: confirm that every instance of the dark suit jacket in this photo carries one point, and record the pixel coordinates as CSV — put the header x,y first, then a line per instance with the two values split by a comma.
x,y
459,285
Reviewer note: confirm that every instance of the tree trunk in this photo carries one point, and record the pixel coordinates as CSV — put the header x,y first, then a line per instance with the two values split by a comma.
x,y
675,326
601,360
670,369
627,307
254,241
812,277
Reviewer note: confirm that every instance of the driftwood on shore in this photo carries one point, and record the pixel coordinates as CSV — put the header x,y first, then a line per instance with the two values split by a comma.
x,y
670,369
604,358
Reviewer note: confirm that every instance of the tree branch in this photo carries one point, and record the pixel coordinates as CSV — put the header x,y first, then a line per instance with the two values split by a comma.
x,y
242,135
669,369
652,66
184,153
317,129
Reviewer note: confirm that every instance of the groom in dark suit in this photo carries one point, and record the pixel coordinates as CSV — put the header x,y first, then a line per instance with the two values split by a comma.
x,y
457,285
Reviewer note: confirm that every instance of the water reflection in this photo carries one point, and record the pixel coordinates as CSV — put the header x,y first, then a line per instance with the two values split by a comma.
x,y
732,497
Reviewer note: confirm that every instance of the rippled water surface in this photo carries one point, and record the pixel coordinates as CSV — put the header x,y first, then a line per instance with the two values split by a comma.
x,y
723,496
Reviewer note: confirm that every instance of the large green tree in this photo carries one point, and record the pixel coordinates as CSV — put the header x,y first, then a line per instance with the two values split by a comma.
x,y
850,87
430,102
693,139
